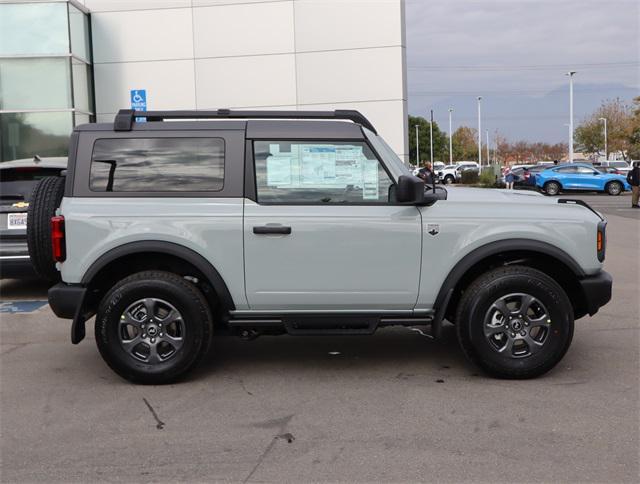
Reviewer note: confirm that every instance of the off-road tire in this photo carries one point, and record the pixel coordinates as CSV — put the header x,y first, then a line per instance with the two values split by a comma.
x,y
478,298
552,188
449,179
45,199
180,293
614,188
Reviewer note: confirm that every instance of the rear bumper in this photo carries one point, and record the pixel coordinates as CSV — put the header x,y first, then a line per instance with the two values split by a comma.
x,y
65,300
16,267
597,291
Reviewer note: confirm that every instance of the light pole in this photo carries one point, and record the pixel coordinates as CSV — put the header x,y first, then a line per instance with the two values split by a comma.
x,y
417,145
571,74
431,138
606,151
488,160
479,134
450,139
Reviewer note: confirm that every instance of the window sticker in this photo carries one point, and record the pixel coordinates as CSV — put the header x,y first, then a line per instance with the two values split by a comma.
x,y
318,165
279,171
370,180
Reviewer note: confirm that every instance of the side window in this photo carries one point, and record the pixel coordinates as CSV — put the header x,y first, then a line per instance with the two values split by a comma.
x,y
157,165
567,170
319,172
583,170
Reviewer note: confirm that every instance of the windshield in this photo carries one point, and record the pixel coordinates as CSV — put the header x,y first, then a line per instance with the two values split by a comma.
x,y
393,161
618,164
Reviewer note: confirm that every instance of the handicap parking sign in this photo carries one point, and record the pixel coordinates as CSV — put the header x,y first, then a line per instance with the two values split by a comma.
x,y
139,101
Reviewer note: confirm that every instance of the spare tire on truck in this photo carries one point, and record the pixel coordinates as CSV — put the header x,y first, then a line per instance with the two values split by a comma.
x,y
45,199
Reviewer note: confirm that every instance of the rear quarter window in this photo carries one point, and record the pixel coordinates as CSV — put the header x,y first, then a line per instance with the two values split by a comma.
x,y
157,165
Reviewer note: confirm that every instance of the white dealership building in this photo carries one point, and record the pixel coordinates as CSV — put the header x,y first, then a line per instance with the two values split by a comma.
x,y
199,54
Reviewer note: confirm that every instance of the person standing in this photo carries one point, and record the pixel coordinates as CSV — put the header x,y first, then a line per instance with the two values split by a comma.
x,y
426,173
633,177
509,178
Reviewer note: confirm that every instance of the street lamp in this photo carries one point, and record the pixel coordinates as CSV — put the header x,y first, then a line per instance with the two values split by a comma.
x,y
417,145
606,151
488,161
450,139
571,74
431,138
479,135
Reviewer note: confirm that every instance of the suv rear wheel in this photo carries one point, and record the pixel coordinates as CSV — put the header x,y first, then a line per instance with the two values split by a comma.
x,y
515,322
153,327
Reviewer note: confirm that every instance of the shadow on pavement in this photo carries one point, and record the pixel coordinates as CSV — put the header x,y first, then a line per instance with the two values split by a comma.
x,y
399,348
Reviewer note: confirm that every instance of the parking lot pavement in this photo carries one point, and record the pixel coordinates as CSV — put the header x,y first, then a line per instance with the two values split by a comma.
x,y
391,407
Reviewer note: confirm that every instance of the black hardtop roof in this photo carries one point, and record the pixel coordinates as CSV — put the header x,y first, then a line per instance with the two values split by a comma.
x,y
125,119
255,129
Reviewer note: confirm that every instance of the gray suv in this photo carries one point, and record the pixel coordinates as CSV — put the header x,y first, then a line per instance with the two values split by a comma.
x,y
199,223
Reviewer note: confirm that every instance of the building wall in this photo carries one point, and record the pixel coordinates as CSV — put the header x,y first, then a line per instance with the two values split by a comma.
x,y
45,76
288,54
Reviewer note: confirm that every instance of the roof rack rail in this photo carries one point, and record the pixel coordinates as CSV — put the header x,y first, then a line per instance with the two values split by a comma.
x,y
126,117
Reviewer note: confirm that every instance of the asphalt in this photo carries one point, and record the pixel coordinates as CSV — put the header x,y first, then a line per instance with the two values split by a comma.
x,y
391,407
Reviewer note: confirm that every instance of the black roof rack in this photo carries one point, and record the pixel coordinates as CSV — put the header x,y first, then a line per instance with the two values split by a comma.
x,y
126,117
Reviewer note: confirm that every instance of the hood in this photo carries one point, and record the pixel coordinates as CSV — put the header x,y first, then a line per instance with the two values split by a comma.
x,y
496,195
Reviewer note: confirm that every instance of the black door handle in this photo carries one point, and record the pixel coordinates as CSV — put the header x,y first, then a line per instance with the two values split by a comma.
x,y
272,229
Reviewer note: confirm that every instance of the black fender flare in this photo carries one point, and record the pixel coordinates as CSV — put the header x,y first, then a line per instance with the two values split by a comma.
x,y
169,248
488,250
83,313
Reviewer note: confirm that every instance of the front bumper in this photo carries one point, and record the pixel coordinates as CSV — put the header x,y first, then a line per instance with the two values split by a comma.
x,y
596,290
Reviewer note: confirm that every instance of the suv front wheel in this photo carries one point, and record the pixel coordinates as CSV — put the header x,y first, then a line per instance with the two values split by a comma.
x,y
153,327
515,322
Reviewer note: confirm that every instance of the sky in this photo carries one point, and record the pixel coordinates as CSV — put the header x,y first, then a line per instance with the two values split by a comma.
x,y
515,53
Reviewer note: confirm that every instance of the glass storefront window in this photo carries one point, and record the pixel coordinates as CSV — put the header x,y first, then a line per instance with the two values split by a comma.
x,y
33,28
24,135
46,79
80,118
79,29
82,89
37,83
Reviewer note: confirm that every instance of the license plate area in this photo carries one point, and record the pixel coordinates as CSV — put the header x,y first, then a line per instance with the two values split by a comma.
x,y
16,221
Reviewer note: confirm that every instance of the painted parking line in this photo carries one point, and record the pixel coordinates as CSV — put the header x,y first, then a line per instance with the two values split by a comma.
x,y
21,306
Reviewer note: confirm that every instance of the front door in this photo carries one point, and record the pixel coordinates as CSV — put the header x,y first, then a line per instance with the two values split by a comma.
x,y
323,235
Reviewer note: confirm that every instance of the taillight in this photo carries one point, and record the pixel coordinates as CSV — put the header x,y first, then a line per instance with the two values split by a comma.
x,y
601,241
57,239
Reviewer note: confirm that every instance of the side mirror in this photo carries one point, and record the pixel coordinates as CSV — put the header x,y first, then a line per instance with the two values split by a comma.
x,y
410,190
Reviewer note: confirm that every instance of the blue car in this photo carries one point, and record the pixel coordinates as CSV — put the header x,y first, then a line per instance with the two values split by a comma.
x,y
579,176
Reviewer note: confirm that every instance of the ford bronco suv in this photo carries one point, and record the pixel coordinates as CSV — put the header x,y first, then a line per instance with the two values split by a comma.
x,y
199,223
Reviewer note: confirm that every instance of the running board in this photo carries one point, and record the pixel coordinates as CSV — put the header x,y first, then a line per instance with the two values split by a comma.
x,y
326,324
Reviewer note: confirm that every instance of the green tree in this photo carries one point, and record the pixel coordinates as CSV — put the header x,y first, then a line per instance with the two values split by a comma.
x,y
589,135
465,146
634,137
440,141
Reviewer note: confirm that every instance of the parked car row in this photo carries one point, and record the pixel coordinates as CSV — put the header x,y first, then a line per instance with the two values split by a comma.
x,y
580,176
554,179
453,173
